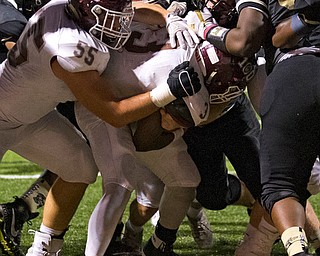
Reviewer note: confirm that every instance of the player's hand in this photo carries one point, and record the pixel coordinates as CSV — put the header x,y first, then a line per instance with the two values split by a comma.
x,y
183,81
198,21
179,31
177,8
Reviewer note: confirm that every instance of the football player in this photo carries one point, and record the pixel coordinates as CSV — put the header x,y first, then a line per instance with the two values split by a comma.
x,y
145,60
60,58
12,22
219,73
289,112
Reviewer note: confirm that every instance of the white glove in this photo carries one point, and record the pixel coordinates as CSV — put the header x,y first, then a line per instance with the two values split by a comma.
x,y
198,21
177,8
179,29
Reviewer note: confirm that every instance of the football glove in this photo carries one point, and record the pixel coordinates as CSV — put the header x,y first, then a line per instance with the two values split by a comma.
x,y
179,30
177,8
182,81
198,21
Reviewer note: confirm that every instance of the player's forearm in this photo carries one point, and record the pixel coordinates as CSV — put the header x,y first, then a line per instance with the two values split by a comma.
x,y
94,93
247,38
284,36
116,112
130,110
243,40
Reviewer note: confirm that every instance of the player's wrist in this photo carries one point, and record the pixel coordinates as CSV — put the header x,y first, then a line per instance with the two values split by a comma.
x,y
299,26
216,35
208,29
161,95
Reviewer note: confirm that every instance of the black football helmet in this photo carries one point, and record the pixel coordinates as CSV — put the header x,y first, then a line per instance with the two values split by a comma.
x,y
107,20
223,11
226,76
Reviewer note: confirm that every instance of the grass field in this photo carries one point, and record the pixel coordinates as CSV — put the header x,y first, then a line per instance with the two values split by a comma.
x,y
228,224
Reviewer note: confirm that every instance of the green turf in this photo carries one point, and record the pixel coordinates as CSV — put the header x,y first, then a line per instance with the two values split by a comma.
x,y
228,224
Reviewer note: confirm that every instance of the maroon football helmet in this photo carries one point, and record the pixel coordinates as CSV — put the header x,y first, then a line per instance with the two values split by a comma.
x,y
226,76
223,11
107,20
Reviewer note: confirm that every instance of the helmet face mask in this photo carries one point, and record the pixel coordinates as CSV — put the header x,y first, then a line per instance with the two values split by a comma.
x,y
107,20
111,27
223,11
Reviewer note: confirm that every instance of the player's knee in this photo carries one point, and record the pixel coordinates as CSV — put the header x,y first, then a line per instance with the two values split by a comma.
x,y
212,199
217,196
213,204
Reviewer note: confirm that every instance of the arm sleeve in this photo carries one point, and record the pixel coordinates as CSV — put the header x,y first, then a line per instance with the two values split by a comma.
x,y
258,5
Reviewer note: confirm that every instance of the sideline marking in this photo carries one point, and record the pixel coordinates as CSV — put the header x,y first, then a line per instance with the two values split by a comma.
x,y
11,177
34,176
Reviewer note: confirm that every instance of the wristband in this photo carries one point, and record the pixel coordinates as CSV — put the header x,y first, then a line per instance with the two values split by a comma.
x,y
216,35
298,26
161,96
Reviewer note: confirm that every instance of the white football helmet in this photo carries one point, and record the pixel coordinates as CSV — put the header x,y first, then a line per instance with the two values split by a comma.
x,y
107,20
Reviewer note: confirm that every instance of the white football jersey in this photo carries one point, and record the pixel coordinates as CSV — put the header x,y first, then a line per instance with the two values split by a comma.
x,y
145,63
28,87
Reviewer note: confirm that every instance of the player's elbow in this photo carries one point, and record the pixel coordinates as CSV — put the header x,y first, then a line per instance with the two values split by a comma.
x,y
246,46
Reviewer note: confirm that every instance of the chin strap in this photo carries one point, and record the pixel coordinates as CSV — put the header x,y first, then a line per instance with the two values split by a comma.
x,y
72,11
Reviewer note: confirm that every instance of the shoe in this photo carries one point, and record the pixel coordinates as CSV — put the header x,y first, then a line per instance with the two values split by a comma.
x,y
14,215
256,243
45,245
7,246
115,243
117,247
162,250
121,249
201,230
132,239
